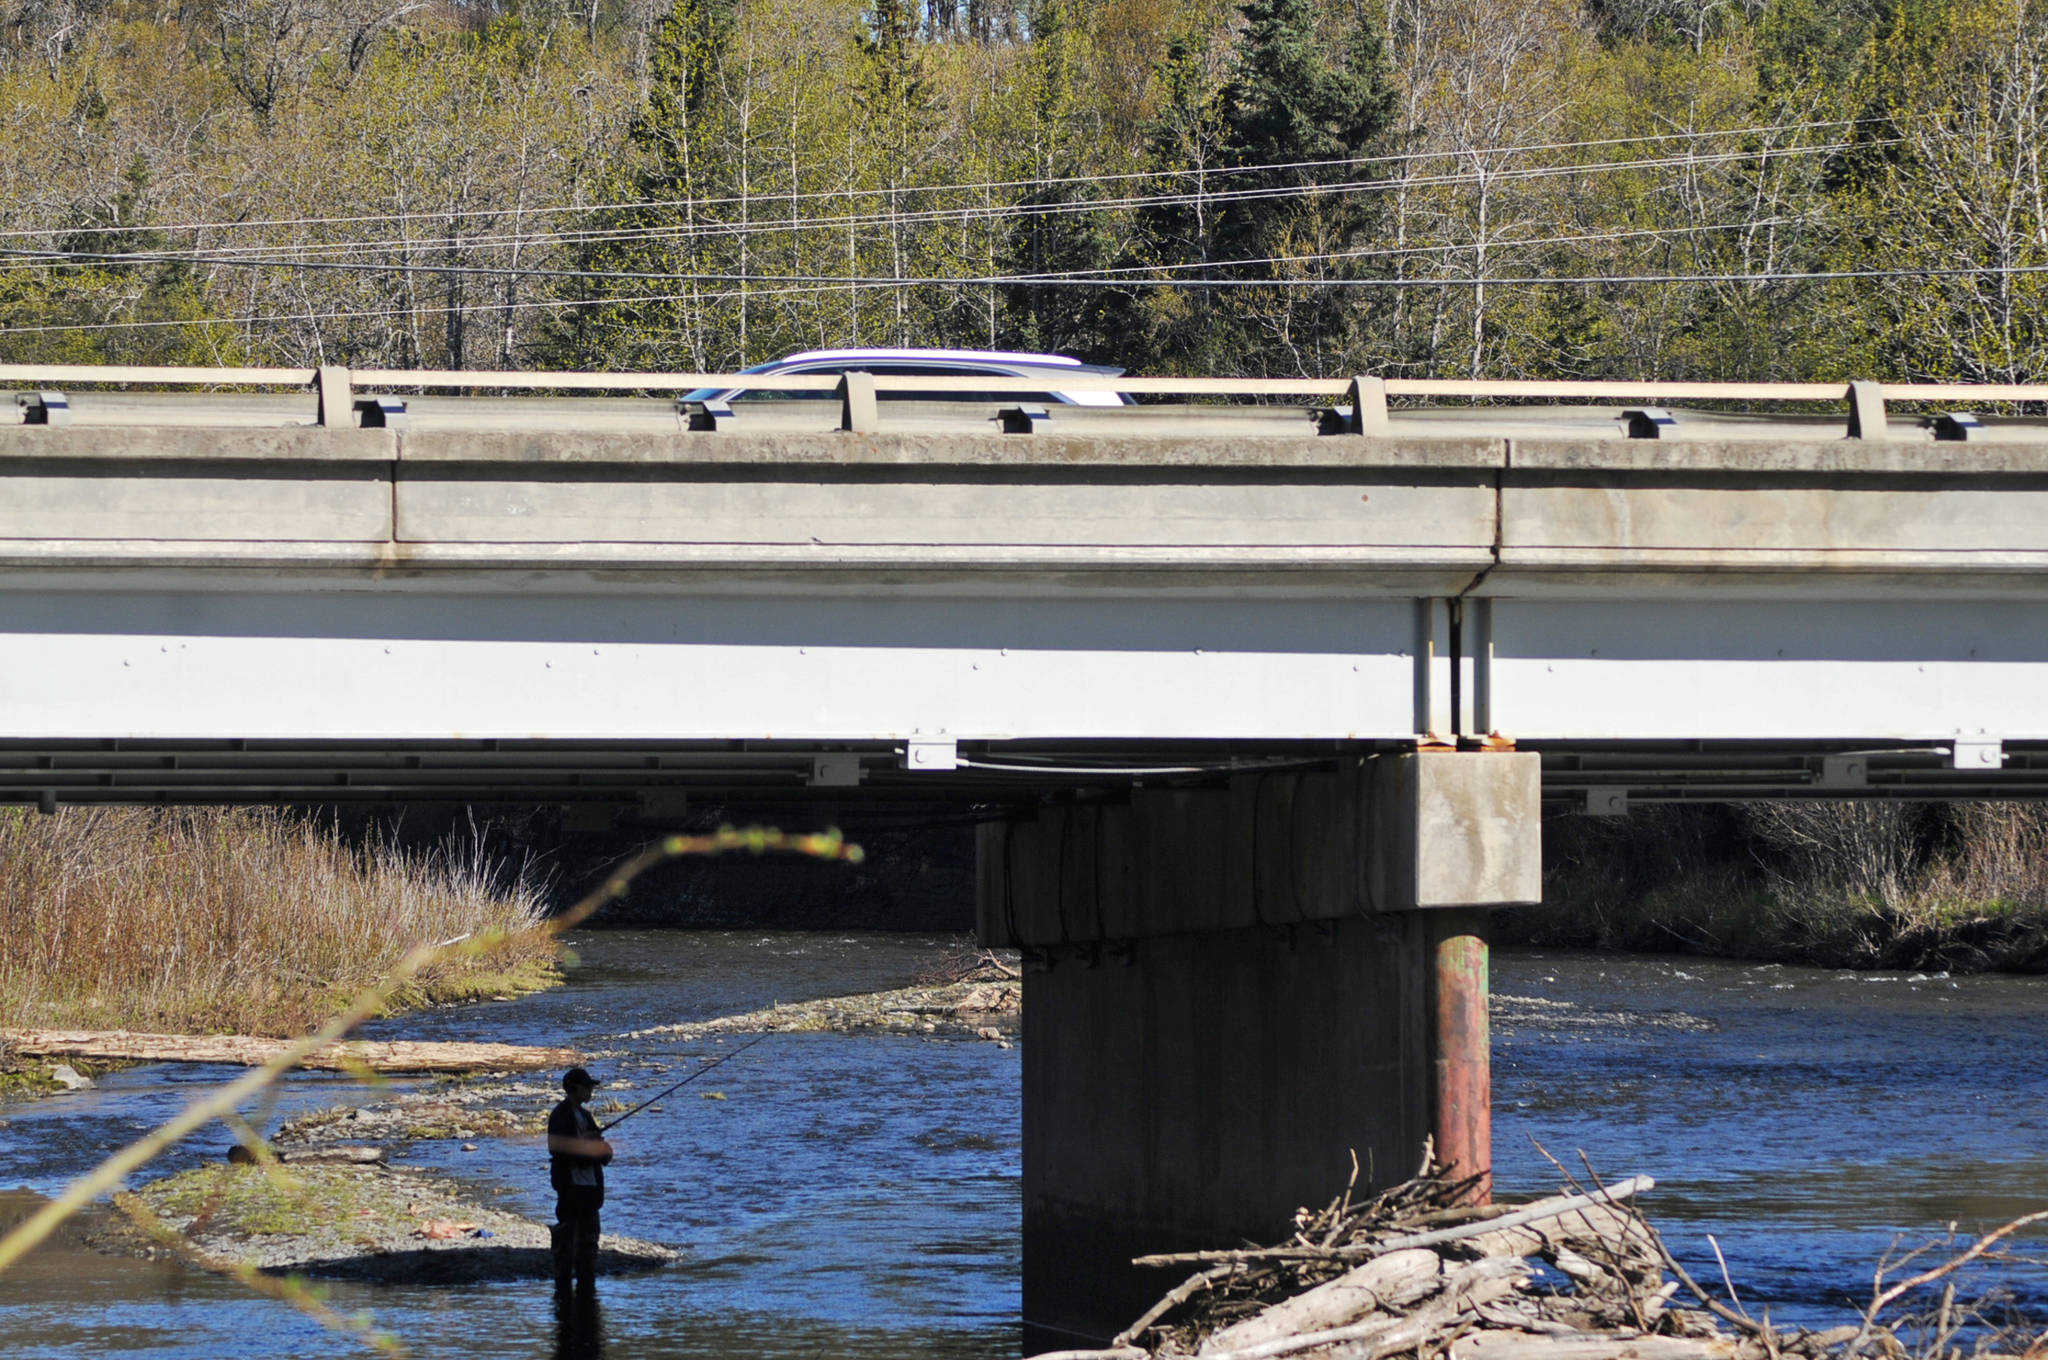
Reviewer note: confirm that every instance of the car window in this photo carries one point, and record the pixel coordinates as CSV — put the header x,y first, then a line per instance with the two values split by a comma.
x,y
778,394
784,394
897,370
954,371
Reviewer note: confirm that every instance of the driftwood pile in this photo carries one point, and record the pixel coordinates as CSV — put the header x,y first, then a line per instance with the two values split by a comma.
x,y
1415,1272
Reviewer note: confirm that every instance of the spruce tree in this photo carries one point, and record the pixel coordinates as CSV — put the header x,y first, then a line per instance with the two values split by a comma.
x,y
1290,96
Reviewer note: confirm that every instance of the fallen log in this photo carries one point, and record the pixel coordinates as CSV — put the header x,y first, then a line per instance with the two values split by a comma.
x,y
1471,1288
249,1051
1380,1285
1507,1346
1494,1233
1534,1213
341,1154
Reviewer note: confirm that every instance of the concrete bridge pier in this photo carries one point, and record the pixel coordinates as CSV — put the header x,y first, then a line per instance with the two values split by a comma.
x,y
1231,992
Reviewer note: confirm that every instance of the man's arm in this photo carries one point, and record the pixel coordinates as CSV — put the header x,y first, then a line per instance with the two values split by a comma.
x,y
596,1149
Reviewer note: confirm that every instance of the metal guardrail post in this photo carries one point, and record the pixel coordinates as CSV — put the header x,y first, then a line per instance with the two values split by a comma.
x,y
1866,410
858,411
337,405
1369,405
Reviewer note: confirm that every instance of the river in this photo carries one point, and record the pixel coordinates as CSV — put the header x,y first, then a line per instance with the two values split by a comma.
x,y
857,1196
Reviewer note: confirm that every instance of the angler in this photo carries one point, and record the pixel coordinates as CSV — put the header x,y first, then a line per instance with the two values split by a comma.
x,y
578,1153
577,1157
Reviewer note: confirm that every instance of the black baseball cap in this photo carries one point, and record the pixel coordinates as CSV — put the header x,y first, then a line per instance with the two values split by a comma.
x,y
578,1076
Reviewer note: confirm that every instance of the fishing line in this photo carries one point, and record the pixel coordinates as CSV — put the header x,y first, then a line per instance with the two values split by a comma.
x,y
607,1128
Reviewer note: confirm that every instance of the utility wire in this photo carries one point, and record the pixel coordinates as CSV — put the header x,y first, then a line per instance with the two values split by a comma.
x,y
1081,281
967,214
965,186
959,215
356,266
832,285
20,258
390,313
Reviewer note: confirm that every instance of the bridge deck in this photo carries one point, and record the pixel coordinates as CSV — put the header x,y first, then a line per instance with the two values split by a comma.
x,y
215,593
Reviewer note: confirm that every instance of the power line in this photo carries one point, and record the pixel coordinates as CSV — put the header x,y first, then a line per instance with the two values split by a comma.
x,y
779,199
1235,196
835,285
387,313
964,215
827,285
31,259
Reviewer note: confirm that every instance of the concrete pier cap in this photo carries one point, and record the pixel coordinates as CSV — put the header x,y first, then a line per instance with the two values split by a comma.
x,y
1233,993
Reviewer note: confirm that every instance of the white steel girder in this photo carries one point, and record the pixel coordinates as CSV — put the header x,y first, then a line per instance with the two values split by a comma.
x,y
449,659
444,662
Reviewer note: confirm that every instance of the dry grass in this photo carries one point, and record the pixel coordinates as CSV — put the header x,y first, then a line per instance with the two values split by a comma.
x,y
233,920
1842,884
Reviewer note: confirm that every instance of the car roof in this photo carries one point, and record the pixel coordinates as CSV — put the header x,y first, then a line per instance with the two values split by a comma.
x,y
1011,358
1048,367
1000,357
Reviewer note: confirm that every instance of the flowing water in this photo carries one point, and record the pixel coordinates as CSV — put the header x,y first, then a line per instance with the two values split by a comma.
x,y
1805,1120
857,1196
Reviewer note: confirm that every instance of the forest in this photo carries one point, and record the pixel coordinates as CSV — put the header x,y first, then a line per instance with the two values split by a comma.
x,y
1717,189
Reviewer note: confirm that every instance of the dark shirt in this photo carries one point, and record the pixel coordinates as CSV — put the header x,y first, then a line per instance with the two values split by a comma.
x,y
576,1178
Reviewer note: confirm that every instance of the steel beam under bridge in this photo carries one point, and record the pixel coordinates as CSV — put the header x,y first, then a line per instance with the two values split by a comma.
x,y
132,686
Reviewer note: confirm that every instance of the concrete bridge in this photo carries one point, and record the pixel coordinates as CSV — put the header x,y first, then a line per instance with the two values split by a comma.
x,y
1273,697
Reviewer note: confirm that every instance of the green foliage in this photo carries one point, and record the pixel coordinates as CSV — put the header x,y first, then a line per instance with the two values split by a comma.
x,y
720,181
1285,95
1952,182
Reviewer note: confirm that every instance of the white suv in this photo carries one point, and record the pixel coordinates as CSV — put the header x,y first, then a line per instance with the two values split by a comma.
x,y
949,363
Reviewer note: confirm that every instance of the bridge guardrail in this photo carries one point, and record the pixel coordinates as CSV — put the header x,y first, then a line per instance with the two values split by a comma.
x,y
1360,403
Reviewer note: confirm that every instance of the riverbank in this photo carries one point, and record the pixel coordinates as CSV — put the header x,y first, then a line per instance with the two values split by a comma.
x,y
346,1204
240,921
1868,885
373,1223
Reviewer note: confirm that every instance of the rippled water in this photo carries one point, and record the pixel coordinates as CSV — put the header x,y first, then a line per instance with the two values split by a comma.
x,y
1806,1119
852,1196
858,1196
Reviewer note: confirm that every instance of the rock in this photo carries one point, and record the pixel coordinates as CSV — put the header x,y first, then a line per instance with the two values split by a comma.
x,y
68,1077
469,1147
443,1229
988,1032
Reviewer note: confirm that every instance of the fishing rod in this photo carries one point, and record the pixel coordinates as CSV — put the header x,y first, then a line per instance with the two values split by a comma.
x,y
607,1128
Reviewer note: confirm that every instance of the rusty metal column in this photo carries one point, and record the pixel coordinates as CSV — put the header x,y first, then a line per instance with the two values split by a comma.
x,y
1461,1045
